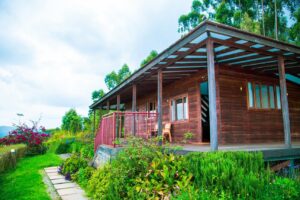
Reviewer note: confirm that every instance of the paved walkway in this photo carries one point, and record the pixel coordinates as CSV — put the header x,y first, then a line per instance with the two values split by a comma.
x,y
67,190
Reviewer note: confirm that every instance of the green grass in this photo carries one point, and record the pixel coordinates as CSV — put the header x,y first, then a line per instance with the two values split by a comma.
x,y
25,182
5,149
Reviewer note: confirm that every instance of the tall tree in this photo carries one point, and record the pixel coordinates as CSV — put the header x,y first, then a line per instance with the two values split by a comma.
x,y
267,17
149,58
72,122
295,29
113,79
97,94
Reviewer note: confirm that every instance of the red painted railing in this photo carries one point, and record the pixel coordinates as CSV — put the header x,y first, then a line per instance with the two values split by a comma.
x,y
119,125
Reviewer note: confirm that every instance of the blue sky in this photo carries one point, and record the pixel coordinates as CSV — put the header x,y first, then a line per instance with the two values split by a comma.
x,y
54,53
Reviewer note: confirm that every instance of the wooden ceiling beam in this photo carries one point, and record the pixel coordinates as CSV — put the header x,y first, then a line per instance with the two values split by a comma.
x,y
254,50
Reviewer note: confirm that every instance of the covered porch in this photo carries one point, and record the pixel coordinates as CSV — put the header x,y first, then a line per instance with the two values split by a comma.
x,y
208,49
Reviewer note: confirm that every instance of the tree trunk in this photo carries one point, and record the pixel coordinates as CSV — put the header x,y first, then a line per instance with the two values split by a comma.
x,y
276,20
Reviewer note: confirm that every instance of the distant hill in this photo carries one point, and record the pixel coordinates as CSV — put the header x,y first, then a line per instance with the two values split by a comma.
x,y
4,130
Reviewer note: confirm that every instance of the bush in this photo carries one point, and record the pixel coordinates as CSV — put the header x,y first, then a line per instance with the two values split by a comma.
x,y
33,137
6,160
72,165
144,171
83,175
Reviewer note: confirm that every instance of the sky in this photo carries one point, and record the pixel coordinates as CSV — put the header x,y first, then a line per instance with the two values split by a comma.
x,y
54,53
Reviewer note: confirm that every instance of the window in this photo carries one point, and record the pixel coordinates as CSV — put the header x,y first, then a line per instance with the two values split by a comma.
x,y
179,109
151,107
261,96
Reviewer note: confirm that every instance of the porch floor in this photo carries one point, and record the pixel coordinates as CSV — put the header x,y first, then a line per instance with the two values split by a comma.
x,y
271,152
203,147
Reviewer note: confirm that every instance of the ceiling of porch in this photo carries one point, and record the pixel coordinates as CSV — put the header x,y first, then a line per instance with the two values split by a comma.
x,y
232,48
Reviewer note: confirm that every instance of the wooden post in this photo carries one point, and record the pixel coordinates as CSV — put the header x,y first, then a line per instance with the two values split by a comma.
x,y
284,103
118,116
94,125
118,102
159,104
212,95
107,105
134,108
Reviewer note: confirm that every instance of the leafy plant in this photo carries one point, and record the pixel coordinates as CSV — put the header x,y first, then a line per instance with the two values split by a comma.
x,y
72,165
188,136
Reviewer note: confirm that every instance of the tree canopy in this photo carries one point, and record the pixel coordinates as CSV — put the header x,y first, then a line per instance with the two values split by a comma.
x,y
97,94
149,58
266,17
72,122
113,79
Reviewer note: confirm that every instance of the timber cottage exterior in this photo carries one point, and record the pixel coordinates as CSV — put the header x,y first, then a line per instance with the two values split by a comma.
x,y
224,85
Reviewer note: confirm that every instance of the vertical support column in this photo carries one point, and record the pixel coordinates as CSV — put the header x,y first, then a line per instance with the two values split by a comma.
x,y
284,103
118,102
107,105
159,104
134,108
118,117
212,95
94,121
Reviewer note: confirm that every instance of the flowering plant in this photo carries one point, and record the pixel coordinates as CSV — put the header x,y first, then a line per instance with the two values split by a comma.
x,y
32,136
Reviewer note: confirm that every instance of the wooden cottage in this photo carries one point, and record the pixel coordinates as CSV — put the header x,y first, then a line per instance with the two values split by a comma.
x,y
224,85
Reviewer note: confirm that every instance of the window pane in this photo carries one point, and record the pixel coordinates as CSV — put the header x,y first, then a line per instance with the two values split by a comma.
x,y
250,95
179,109
264,96
271,94
185,108
278,97
173,110
257,96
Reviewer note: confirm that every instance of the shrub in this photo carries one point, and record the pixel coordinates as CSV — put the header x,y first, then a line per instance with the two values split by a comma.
x,y
83,175
6,160
72,165
144,171
33,137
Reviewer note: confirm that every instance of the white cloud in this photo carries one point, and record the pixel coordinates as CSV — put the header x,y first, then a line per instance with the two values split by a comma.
x,y
54,53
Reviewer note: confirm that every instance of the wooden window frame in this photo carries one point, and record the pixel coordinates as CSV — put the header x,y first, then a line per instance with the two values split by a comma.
x,y
260,84
171,109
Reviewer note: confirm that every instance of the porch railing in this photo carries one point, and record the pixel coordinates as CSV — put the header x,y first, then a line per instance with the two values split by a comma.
x,y
119,125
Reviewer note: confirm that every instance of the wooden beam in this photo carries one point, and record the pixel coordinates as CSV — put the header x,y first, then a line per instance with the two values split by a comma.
x,y
118,102
159,103
94,125
107,105
133,108
284,103
212,95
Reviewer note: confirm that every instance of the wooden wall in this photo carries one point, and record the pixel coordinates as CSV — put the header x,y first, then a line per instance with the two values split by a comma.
x,y
238,124
190,87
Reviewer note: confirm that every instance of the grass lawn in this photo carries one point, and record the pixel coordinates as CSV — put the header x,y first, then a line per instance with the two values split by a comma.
x,y
25,182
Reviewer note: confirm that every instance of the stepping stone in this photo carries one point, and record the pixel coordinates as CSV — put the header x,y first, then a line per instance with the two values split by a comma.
x,y
73,197
65,185
51,170
53,177
68,191
59,181
53,174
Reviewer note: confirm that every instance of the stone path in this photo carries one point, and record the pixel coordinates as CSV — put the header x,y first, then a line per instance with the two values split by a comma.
x,y
67,190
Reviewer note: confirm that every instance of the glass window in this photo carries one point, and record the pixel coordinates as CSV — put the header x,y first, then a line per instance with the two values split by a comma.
x,y
257,96
250,95
179,109
278,97
261,96
271,95
264,96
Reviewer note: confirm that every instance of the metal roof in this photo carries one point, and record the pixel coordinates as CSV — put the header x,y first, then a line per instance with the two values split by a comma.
x,y
232,47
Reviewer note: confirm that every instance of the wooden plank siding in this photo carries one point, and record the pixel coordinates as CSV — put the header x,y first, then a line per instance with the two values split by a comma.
x,y
240,125
236,123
